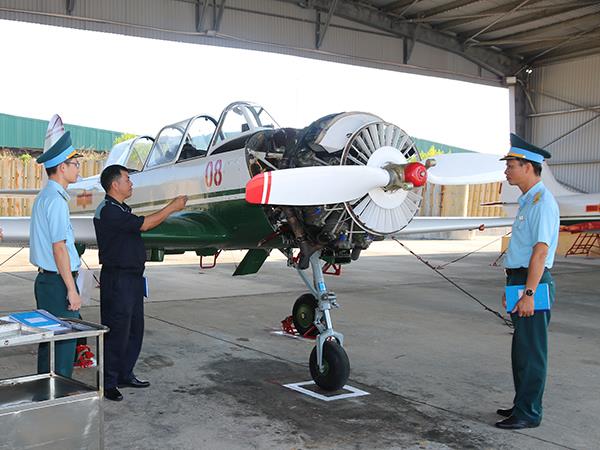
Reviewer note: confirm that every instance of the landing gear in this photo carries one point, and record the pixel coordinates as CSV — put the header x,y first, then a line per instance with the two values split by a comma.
x,y
336,367
303,313
329,364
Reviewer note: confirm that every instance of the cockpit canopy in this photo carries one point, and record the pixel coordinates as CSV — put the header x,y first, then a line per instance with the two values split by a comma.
x,y
202,135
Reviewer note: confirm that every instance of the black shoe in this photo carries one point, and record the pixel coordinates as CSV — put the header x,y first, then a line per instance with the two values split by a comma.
x,y
113,394
512,423
134,382
505,412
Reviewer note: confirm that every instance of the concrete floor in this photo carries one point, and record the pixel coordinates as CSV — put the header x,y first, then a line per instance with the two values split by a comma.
x,y
435,363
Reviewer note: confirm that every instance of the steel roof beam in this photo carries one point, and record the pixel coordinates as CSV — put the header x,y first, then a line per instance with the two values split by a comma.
x,y
430,12
581,21
562,44
499,19
321,31
530,18
491,60
400,5
453,22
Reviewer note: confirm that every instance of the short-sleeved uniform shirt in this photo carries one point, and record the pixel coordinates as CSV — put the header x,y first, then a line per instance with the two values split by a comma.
x,y
119,237
51,223
537,220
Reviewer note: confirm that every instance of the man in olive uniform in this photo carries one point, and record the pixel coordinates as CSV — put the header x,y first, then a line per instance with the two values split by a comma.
x,y
52,244
528,262
122,255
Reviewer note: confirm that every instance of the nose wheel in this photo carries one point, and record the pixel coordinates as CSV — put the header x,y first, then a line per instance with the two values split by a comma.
x,y
336,366
328,362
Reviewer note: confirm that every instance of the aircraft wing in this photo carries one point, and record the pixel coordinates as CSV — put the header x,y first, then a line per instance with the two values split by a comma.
x,y
436,224
16,230
189,231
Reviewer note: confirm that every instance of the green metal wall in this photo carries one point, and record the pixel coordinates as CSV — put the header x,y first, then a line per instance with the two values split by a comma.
x,y
23,132
423,145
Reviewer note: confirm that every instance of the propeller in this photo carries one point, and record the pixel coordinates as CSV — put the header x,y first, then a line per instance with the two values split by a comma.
x,y
321,185
466,168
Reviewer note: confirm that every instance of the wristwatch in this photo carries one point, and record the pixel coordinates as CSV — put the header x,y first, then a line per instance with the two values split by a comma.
x,y
529,292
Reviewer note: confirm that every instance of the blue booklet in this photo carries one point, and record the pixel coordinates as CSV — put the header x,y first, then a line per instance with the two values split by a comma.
x,y
541,298
146,288
40,318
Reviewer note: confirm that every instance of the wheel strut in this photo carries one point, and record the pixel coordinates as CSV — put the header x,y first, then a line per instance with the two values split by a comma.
x,y
329,366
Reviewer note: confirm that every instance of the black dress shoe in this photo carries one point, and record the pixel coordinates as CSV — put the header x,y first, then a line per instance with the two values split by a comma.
x,y
505,412
512,423
113,394
134,382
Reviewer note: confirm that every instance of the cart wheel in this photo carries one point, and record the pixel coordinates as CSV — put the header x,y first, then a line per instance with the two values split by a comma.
x,y
336,367
303,313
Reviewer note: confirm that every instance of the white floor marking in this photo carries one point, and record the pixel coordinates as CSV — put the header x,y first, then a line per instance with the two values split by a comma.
x,y
354,392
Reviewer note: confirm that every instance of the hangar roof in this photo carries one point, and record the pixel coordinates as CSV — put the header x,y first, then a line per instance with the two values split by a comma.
x,y
493,39
530,32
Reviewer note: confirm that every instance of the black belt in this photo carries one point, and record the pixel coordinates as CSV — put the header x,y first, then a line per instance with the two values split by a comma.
x,y
52,272
520,270
132,270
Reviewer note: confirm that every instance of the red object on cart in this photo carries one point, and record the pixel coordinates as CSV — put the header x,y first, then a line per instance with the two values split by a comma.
x,y
85,357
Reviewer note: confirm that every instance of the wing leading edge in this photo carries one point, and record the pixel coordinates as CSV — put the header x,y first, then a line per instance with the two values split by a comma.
x,y
437,224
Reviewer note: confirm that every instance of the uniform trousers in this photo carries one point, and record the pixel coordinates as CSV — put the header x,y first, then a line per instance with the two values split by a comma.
x,y
122,310
51,294
529,354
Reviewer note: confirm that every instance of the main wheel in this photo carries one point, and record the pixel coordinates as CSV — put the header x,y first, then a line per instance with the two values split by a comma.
x,y
336,367
303,313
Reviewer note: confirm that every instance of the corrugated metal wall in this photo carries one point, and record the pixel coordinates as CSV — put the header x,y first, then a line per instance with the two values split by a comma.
x,y
562,87
249,24
23,132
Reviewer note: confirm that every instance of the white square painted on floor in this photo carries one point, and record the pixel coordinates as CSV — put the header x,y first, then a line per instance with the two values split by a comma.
x,y
352,391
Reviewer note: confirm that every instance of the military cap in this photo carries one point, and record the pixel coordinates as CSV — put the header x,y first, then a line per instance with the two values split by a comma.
x,y
521,149
59,152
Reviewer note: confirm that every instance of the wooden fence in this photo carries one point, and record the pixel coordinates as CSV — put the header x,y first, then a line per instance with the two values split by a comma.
x,y
19,173
461,200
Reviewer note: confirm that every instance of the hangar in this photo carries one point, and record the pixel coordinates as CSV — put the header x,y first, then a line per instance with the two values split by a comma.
x,y
481,42
546,52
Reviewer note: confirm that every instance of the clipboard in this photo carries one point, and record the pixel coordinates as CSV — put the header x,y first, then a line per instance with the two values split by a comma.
x,y
541,298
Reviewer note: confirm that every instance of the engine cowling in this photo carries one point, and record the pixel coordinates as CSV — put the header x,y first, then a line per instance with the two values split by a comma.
x,y
346,139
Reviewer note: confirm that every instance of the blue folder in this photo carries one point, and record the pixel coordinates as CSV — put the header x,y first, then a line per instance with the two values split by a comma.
x,y
541,298
40,318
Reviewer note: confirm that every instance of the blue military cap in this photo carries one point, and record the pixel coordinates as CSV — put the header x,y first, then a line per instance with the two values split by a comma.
x,y
521,149
59,152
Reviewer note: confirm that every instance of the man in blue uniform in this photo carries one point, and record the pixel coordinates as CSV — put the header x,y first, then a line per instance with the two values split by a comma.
x,y
122,255
52,246
528,262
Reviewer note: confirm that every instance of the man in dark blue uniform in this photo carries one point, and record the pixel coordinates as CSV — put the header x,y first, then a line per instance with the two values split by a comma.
x,y
529,258
122,255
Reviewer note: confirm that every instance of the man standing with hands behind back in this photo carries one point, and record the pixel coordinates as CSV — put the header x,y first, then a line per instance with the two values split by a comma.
x,y
122,255
52,244
528,261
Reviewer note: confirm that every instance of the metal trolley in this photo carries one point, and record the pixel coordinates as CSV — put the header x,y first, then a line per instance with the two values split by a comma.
x,y
47,410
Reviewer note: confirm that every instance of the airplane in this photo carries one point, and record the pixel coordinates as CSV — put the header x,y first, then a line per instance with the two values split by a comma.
x,y
329,190
578,211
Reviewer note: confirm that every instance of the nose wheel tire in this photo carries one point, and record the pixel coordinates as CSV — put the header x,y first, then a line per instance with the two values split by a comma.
x,y
303,313
336,367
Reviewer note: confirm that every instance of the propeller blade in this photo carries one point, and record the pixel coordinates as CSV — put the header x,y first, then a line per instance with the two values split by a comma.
x,y
314,185
466,168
